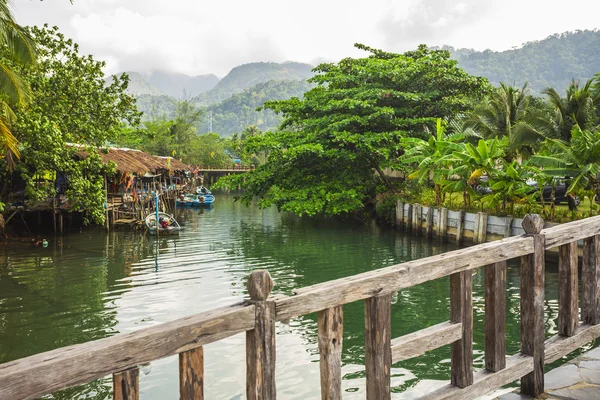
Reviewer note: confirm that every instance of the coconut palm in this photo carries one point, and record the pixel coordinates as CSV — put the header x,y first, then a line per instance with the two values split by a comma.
x,y
499,117
19,51
578,107
579,159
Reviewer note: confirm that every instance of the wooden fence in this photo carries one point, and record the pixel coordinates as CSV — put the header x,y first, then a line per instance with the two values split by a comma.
x,y
121,354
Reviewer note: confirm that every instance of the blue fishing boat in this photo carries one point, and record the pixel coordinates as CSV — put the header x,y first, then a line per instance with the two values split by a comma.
x,y
201,191
193,200
206,200
167,225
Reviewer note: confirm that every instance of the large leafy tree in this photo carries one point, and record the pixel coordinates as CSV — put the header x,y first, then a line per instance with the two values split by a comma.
x,y
72,110
17,49
323,158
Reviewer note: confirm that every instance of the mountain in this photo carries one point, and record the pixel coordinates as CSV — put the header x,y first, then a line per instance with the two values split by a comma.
x,y
181,85
139,85
551,62
247,75
238,111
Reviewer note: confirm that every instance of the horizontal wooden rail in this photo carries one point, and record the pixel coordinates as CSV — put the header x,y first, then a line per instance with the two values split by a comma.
x,y
559,346
485,381
387,280
68,366
420,342
571,232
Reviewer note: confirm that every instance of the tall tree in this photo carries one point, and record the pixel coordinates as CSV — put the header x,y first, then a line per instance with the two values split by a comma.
x,y
323,158
19,49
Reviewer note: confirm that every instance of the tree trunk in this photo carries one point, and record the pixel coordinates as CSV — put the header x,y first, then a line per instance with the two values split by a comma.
x,y
385,179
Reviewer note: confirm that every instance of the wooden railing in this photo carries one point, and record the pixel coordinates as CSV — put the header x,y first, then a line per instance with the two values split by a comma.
x,y
121,354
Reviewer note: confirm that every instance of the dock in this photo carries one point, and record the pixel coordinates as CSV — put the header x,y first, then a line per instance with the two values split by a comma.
x,y
120,355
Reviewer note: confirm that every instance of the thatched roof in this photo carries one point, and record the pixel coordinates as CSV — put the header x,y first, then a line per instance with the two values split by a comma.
x,y
136,161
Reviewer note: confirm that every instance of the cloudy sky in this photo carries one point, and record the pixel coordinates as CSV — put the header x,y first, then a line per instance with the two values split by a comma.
x,y
199,37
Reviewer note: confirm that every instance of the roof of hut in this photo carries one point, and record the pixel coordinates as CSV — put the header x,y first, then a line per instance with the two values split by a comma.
x,y
136,161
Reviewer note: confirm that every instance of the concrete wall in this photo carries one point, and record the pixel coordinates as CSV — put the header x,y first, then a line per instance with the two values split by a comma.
x,y
456,225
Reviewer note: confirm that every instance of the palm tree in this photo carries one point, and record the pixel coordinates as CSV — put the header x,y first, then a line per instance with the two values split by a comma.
x,y
20,51
579,159
499,116
577,108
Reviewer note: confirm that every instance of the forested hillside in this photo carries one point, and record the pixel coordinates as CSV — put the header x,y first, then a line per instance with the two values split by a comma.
x,y
552,62
248,75
181,85
239,110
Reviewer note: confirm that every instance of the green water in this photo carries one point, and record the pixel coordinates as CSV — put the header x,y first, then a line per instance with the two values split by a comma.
x,y
90,285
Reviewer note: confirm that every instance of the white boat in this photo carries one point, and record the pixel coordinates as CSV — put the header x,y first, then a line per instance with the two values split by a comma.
x,y
167,225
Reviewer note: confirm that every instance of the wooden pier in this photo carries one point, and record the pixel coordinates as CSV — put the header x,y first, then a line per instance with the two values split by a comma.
x,y
121,354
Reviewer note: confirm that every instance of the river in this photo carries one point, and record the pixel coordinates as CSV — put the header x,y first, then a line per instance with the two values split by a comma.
x,y
89,285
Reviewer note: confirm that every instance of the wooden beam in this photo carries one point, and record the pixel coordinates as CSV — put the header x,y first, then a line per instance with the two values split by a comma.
x,y
495,316
429,231
568,307
378,351
260,341
559,346
461,311
126,384
532,307
191,374
69,366
571,231
387,280
418,343
485,382
331,335
590,305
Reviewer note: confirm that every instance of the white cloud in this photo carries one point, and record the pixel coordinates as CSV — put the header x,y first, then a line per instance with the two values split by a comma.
x,y
196,36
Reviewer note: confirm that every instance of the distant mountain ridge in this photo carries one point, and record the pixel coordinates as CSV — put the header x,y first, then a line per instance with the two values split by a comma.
x,y
182,85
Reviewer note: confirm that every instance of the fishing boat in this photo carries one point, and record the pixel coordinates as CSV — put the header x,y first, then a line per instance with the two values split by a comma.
x,y
167,225
201,191
193,200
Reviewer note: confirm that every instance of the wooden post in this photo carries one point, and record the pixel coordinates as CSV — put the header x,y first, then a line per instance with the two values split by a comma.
x,y
508,226
590,306
419,219
461,310
476,228
568,308
409,218
399,214
495,316
430,222
532,307
415,219
378,350
126,385
460,227
191,374
443,223
482,227
106,202
260,341
54,212
331,329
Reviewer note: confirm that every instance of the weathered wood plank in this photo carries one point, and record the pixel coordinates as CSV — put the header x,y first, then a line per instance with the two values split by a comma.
x,y
495,316
378,351
460,227
532,308
48,372
568,307
418,343
260,341
461,310
483,222
400,214
191,374
571,231
485,382
331,334
590,305
559,346
409,218
126,385
443,224
387,280
430,222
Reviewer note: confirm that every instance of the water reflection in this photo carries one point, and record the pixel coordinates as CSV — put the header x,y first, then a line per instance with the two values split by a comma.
x,y
94,285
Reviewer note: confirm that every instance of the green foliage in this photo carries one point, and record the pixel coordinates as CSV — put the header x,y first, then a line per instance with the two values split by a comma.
x,y
323,157
552,62
72,110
